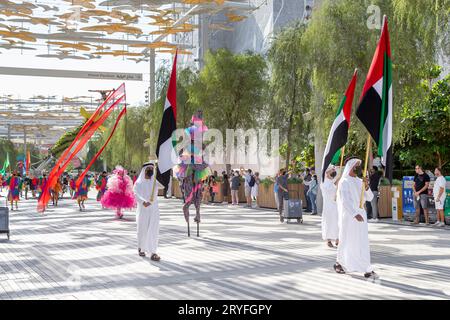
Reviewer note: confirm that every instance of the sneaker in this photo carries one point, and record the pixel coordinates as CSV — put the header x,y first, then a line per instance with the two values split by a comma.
x,y
442,224
437,224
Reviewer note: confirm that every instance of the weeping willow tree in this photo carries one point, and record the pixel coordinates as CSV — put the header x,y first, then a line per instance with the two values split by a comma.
x,y
339,40
290,90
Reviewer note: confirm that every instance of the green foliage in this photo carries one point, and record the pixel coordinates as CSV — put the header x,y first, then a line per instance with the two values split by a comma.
x,y
6,146
306,157
395,182
230,89
290,89
267,182
295,180
126,147
428,127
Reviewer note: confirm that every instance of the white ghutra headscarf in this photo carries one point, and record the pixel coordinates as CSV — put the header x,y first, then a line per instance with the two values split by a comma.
x,y
143,186
348,168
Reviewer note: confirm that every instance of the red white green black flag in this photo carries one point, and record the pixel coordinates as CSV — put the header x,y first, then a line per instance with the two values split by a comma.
x,y
375,107
338,135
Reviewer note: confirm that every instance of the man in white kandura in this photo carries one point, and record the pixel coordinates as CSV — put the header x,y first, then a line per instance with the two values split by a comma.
x,y
353,251
146,191
330,229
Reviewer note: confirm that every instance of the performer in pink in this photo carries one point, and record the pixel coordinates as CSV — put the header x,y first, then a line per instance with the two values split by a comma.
x,y
119,194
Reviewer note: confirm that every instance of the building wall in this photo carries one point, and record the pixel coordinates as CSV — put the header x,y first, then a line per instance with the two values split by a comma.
x,y
255,32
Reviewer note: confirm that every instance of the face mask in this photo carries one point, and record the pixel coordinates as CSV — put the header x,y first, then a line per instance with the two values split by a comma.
x,y
333,174
357,170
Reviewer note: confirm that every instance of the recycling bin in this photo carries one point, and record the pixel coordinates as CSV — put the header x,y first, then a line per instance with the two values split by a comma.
x,y
4,220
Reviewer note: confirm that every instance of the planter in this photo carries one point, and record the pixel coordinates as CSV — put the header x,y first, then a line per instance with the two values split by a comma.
x,y
176,190
266,196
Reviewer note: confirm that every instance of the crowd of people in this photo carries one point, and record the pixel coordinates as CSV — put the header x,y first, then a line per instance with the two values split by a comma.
x,y
344,217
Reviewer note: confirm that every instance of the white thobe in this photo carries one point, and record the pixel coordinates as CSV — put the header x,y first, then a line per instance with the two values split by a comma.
x,y
147,220
353,250
330,229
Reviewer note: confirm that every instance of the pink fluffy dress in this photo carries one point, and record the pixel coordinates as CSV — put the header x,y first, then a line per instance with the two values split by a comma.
x,y
119,193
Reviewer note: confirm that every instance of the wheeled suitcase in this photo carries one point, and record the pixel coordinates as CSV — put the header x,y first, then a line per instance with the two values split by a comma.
x,y
4,220
292,208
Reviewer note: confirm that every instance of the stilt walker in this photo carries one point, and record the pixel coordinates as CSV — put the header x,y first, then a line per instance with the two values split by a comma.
x,y
193,170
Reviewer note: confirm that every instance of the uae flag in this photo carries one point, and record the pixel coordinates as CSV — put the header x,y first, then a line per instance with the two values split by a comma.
x,y
165,150
339,130
375,106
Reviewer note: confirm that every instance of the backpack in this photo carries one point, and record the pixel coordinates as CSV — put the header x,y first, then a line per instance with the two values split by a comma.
x,y
252,181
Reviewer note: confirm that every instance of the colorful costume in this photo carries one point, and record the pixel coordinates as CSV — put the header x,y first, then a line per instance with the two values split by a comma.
x,y
119,194
42,182
13,193
34,184
101,186
193,170
57,189
82,193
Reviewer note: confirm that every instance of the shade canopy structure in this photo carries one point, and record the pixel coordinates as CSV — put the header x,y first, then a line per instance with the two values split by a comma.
x,y
98,30
91,29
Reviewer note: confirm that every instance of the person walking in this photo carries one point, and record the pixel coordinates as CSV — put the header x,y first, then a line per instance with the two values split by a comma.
x,y
354,250
330,227
439,195
147,213
420,188
283,192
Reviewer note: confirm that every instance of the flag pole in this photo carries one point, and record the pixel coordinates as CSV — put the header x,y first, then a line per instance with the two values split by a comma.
x,y
154,184
365,171
342,156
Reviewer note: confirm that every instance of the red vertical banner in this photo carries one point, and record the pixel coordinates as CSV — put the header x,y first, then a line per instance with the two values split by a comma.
x,y
86,132
27,163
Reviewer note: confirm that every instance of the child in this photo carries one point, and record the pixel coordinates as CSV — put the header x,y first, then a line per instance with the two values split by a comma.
x,y
119,192
55,192
81,193
14,192
101,185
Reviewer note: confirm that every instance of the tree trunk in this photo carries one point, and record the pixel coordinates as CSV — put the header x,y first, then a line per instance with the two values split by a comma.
x,y
319,149
439,159
289,136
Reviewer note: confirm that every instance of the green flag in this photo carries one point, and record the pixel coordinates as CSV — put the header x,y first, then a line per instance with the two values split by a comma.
x,y
5,164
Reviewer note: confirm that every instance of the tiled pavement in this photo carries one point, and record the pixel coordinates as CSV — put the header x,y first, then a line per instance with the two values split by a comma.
x,y
241,254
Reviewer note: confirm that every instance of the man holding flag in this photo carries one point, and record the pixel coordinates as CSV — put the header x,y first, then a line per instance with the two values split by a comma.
x,y
149,181
333,151
375,112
